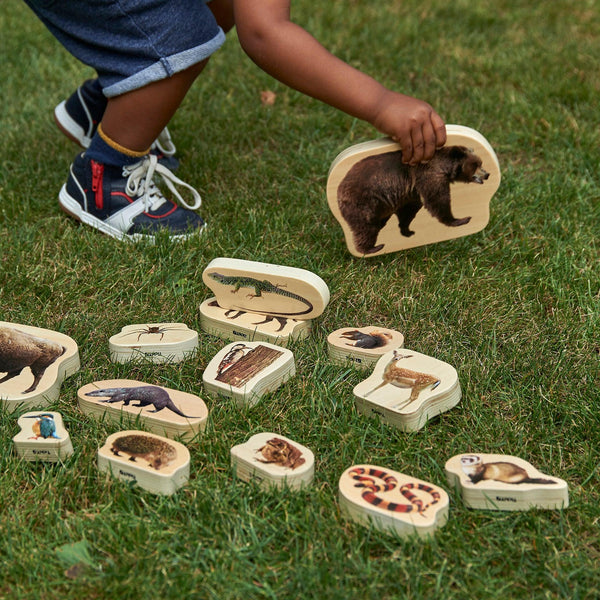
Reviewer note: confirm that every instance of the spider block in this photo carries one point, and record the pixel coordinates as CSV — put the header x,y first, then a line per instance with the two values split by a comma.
x,y
155,342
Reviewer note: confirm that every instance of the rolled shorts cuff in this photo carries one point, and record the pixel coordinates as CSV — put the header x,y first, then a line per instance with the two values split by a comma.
x,y
166,67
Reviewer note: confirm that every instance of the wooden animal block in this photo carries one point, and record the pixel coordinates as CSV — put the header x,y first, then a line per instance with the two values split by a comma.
x,y
35,362
231,325
407,388
274,461
245,371
502,482
392,501
154,463
42,437
156,342
266,289
384,206
162,410
363,346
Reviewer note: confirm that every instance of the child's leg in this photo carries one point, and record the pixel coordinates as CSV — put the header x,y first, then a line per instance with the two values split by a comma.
x,y
135,119
111,185
223,12
146,54
79,115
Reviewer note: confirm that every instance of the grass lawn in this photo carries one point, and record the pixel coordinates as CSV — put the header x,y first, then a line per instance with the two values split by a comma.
x,y
514,308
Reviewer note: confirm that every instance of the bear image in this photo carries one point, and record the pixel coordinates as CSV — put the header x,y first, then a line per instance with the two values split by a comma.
x,y
381,185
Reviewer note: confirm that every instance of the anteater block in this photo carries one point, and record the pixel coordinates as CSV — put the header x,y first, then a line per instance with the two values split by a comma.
x,y
392,501
407,388
274,461
35,362
266,289
157,464
161,410
502,482
384,206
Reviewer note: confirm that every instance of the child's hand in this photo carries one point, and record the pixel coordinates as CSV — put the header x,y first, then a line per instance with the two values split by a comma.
x,y
413,124
290,54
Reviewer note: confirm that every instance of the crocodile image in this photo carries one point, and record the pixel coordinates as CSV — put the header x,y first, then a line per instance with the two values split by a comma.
x,y
260,288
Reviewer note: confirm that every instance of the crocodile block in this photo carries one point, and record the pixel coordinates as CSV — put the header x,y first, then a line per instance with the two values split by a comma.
x,y
242,325
266,289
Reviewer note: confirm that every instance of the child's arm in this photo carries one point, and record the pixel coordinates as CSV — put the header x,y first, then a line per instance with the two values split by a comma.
x,y
294,57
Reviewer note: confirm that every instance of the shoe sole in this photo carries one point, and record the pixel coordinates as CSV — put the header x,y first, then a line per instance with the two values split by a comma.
x,y
69,127
75,210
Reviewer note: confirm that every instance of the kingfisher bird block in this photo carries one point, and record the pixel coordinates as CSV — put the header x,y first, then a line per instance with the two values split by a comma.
x,y
42,437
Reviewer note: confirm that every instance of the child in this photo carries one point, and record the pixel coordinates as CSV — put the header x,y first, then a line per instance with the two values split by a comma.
x,y
146,60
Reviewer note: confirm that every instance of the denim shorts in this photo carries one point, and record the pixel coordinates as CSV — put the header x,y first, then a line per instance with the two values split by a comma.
x,y
131,43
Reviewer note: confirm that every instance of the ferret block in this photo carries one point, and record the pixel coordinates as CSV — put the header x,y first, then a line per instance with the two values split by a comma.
x,y
406,389
233,325
245,371
362,347
161,410
273,460
392,501
503,482
35,362
42,437
266,289
155,342
385,206
154,463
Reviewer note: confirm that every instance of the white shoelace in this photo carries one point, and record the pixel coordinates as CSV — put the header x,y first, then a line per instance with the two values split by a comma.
x,y
164,143
140,183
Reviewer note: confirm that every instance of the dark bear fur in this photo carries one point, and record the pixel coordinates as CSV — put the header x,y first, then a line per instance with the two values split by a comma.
x,y
381,185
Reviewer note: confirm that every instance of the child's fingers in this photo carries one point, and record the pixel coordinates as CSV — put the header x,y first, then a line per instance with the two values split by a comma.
x,y
439,128
425,140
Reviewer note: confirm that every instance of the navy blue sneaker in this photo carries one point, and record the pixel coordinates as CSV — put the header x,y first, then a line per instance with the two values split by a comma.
x,y
125,203
79,115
